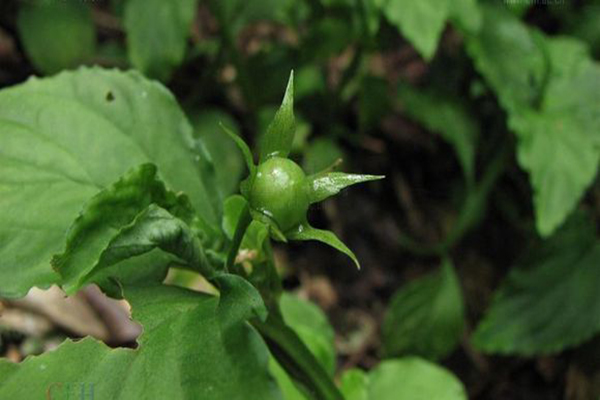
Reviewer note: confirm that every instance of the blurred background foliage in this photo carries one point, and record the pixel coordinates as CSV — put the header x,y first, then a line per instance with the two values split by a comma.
x,y
480,248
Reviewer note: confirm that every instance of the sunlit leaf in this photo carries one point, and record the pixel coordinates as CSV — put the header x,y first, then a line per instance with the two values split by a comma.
x,y
354,383
107,216
406,378
199,341
310,323
63,139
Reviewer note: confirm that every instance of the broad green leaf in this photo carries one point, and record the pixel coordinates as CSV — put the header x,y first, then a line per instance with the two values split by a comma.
x,y
150,266
550,88
550,301
421,22
506,53
287,386
154,228
277,141
447,117
239,300
311,324
329,184
408,378
307,232
100,236
226,158
291,353
426,317
354,384
64,138
157,33
56,34
560,145
466,14
193,346
404,378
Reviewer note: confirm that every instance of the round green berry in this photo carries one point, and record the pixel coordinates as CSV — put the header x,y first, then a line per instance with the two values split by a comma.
x,y
280,191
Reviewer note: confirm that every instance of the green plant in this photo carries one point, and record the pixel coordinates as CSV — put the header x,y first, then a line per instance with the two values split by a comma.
x,y
483,117
278,191
130,232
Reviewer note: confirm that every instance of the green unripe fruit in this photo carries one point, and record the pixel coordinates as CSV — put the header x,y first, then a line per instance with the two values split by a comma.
x,y
280,191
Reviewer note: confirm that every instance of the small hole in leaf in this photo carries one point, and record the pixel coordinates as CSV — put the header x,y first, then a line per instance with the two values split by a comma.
x,y
110,96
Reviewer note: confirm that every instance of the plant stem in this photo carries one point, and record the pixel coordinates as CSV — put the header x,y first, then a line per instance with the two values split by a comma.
x,y
296,359
470,213
242,225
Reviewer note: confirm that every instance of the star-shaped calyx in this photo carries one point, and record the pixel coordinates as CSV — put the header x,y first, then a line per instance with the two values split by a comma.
x,y
278,191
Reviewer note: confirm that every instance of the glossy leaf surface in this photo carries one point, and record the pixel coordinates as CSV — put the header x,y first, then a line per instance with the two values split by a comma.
x,y
406,378
199,341
62,139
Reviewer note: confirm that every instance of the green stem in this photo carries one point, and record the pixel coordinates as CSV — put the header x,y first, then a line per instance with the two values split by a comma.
x,y
296,359
470,212
240,230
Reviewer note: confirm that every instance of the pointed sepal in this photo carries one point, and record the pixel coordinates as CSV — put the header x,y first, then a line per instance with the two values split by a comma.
x,y
307,232
277,141
243,148
324,185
